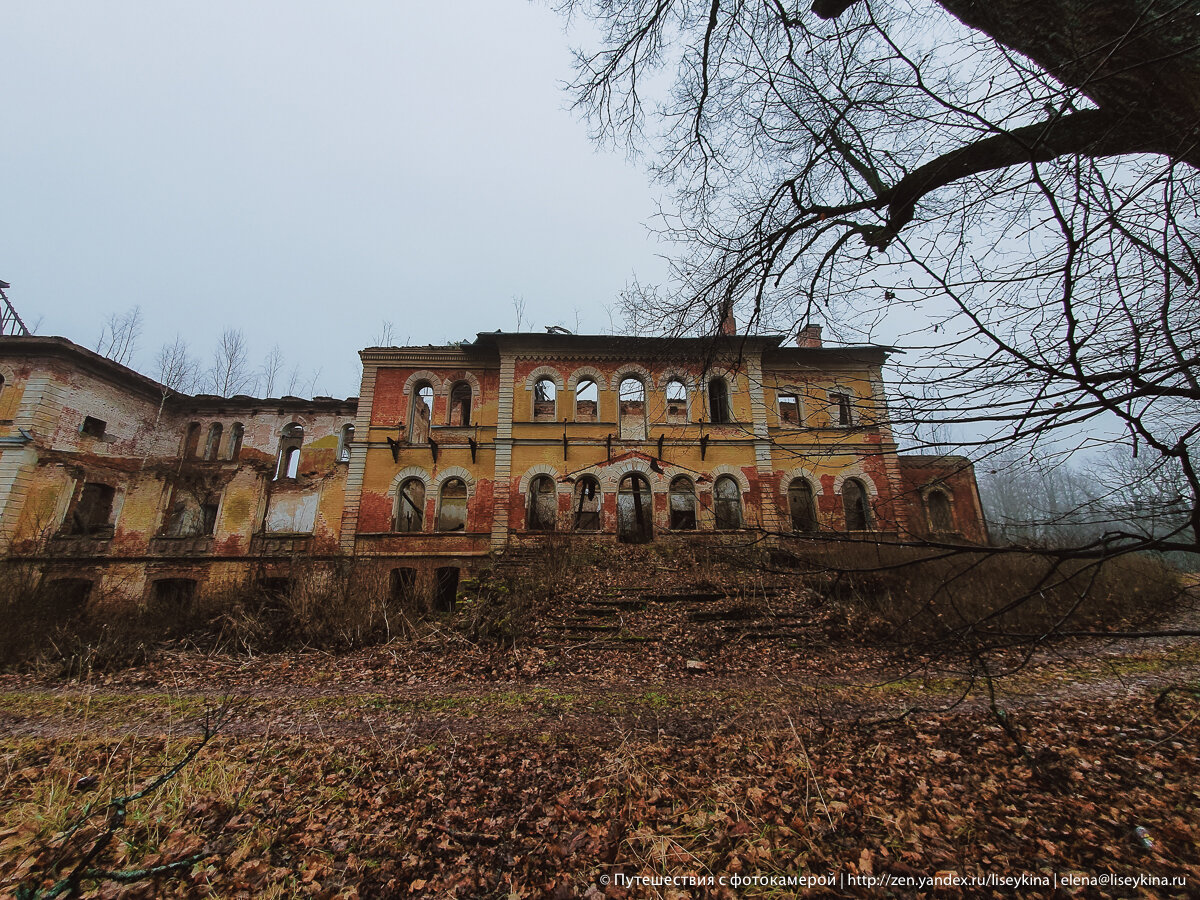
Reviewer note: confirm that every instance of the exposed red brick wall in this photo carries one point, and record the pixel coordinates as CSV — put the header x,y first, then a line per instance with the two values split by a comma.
x,y
956,474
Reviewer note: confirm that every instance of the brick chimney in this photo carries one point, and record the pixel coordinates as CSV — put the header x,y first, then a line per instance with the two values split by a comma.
x,y
728,322
809,336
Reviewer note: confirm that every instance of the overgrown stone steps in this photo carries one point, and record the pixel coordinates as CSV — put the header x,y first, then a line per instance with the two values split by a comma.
x,y
603,612
696,597
585,625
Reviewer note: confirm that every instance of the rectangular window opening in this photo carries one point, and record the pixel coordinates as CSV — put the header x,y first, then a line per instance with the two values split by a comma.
x,y
93,427
789,409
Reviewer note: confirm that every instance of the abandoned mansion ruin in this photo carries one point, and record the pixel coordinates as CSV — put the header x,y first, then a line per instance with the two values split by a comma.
x,y
452,454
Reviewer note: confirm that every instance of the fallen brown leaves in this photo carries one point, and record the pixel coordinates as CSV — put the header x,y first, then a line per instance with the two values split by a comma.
x,y
627,736
527,809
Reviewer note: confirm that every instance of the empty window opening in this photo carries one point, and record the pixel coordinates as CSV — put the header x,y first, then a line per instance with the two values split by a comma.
x,y
676,402
212,446
345,439
683,504
93,511
403,588
410,506
635,509
543,504
858,510
587,402
236,432
460,404
801,508
631,398
421,414
445,588
189,517
789,409
93,427
208,517
727,503
452,510
718,401
274,592
544,395
64,598
842,409
941,518
191,441
587,504
289,451
291,462
173,595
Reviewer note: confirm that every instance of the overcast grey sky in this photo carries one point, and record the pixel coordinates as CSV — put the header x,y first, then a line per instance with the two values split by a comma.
x,y
303,171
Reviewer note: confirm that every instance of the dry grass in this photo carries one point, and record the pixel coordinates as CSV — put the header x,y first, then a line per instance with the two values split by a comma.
x,y
902,593
335,606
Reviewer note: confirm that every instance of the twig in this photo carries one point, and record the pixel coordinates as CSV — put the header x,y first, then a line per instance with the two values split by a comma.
x,y
808,764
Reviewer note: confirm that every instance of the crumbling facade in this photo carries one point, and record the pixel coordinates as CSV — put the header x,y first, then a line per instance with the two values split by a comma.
x,y
454,453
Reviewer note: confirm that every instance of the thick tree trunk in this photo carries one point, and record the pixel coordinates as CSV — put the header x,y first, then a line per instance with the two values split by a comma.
x,y
1138,60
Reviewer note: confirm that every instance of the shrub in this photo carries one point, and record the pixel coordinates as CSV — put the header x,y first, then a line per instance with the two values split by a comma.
x,y
336,605
906,594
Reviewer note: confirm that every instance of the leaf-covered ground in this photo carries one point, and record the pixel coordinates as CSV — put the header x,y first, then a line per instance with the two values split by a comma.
x,y
689,740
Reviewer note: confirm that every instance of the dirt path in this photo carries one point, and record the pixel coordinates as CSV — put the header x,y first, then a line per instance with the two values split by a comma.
x,y
412,692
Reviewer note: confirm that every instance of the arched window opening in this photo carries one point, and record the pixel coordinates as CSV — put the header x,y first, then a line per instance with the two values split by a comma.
x,y
421,414
289,451
445,588
727,503
676,402
683,504
543,504
236,432
65,598
718,401
801,508
855,502
212,447
409,514
635,509
587,504
345,439
173,595
460,404
631,398
941,517
452,509
191,441
587,402
544,397
403,585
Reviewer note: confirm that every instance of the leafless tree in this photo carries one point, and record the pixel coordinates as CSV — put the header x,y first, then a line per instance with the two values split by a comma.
x,y
271,371
1015,180
175,367
386,336
230,372
119,336
519,308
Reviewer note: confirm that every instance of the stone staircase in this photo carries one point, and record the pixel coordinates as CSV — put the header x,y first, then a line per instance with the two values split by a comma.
x,y
624,599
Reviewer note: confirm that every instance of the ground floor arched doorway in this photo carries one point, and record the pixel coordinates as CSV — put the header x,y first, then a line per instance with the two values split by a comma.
x,y
635,510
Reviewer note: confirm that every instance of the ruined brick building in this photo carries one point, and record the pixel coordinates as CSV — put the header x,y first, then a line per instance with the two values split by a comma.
x,y
454,453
